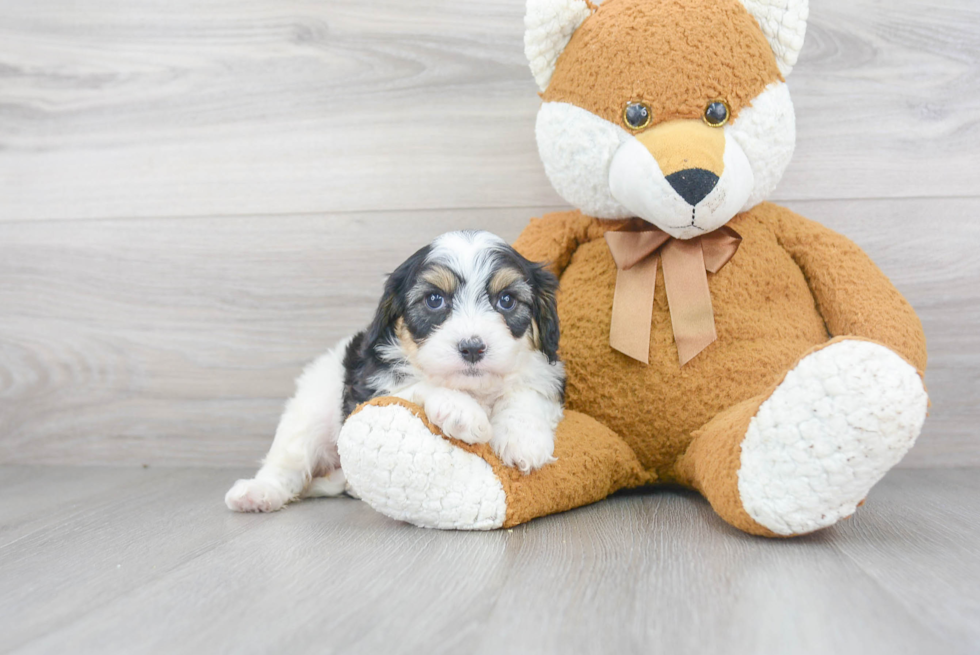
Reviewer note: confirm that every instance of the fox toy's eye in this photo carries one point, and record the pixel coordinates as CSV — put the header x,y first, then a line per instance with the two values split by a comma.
x,y
434,301
717,113
506,302
637,115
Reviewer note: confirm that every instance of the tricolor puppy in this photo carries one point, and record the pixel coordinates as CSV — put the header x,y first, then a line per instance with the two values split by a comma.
x,y
468,329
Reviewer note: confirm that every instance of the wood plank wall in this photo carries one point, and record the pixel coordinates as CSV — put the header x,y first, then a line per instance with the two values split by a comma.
x,y
198,197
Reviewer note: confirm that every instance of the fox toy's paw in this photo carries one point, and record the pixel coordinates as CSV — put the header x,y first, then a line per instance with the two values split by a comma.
x,y
402,468
839,421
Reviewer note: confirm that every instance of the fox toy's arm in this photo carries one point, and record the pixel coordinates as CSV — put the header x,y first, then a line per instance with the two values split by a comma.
x,y
553,238
853,295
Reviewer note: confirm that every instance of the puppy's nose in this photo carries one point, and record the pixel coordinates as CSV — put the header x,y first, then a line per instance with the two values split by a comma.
x,y
472,349
693,184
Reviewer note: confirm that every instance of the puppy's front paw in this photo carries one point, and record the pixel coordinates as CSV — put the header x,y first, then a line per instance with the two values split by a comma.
x,y
255,496
458,415
526,444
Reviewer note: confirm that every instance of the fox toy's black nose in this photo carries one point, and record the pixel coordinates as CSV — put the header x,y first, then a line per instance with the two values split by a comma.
x,y
693,184
472,349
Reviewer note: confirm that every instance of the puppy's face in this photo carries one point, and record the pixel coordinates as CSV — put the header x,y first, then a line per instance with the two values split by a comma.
x,y
468,307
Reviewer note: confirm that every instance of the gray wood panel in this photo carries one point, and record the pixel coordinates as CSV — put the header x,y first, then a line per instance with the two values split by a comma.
x,y
164,567
183,108
175,341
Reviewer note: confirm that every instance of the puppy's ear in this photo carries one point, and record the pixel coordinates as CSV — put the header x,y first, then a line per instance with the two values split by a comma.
x,y
545,310
393,300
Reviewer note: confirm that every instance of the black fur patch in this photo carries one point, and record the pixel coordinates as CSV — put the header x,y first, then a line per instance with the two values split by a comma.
x,y
546,310
422,321
357,370
363,361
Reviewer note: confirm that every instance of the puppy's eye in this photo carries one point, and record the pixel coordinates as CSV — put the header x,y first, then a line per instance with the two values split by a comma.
x,y
717,113
506,302
434,301
637,115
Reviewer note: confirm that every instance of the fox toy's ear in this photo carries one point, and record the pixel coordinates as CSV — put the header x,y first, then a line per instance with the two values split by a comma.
x,y
549,25
784,24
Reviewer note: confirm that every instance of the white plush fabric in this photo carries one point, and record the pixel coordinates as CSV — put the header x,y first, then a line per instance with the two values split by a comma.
x,y
839,421
576,148
549,26
766,133
784,24
396,465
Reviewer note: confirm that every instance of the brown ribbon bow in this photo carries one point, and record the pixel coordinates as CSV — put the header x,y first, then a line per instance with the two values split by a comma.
x,y
637,247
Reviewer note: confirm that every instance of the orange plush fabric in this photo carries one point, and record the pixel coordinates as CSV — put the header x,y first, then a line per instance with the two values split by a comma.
x,y
854,298
662,63
764,313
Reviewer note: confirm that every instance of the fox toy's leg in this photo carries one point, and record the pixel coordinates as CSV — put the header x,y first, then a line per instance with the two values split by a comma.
x,y
804,456
402,466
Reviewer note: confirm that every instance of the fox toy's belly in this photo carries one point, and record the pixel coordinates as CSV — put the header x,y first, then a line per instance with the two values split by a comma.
x,y
766,319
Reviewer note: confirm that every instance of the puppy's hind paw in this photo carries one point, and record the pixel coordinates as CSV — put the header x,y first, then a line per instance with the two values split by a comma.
x,y
255,496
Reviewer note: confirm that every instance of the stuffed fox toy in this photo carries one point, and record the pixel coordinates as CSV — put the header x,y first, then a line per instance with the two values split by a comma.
x,y
711,339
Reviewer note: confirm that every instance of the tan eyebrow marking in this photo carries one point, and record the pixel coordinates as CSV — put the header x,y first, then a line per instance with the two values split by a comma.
x,y
441,277
405,339
504,278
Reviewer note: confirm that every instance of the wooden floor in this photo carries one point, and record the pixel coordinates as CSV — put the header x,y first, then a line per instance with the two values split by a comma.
x,y
123,560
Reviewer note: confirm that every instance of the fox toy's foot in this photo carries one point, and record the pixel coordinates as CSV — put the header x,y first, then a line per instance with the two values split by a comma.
x,y
401,464
398,465
806,455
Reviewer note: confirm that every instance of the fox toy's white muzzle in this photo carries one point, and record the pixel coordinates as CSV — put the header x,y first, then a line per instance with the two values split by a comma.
x,y
685,178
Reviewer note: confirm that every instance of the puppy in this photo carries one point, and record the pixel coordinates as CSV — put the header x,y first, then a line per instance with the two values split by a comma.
x,y
468,329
